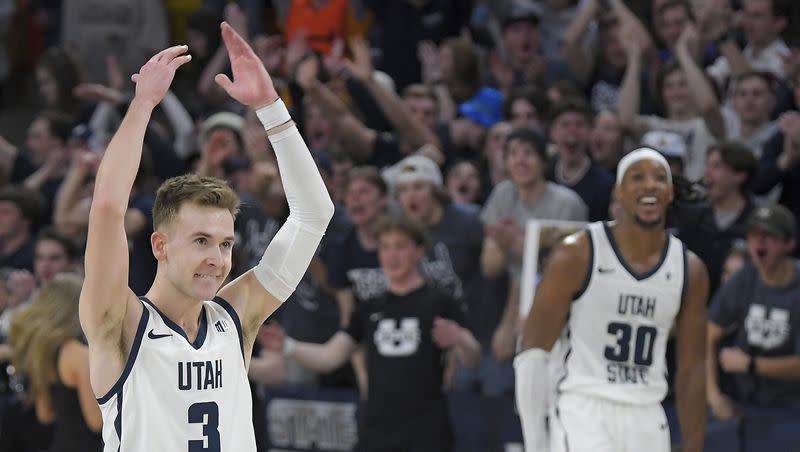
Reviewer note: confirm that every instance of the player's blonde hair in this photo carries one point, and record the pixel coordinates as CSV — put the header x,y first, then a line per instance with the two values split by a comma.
x,y
203,191
38,332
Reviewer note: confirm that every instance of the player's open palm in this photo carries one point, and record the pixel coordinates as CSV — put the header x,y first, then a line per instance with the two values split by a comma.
x,y
155,77
446,333
251,85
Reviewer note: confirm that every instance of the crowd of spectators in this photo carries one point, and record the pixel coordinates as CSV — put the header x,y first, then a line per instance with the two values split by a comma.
x,y
470,117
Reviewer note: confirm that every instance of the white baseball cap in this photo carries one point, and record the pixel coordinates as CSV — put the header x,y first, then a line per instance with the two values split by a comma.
x,y
670,144
413,168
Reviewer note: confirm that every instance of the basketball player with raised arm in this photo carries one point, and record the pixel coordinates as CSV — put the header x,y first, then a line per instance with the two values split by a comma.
x,y
594,343
170,369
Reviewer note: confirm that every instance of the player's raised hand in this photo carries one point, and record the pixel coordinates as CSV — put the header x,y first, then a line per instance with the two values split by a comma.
x,y
153,79
251,85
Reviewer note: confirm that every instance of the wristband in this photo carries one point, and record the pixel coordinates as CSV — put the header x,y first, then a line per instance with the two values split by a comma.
x,y
289,345
273,115
751,366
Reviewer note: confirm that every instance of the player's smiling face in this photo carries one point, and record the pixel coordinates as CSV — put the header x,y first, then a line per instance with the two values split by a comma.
x,y
195,249
645,193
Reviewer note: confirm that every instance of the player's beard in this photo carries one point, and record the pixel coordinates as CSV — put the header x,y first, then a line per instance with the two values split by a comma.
x,y
649,224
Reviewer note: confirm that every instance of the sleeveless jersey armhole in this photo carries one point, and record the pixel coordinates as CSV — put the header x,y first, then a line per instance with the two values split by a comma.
x,y
235,317
137,342
685,288
589,269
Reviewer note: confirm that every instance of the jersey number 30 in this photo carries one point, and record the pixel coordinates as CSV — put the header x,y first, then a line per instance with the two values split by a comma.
x,y
206,413
643,347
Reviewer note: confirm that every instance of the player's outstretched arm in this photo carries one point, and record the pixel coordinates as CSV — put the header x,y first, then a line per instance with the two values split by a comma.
x,y
690,379
102,308
310,208
564,276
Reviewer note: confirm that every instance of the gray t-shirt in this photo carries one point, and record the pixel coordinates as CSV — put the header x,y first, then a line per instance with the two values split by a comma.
x,y
556,203
767,322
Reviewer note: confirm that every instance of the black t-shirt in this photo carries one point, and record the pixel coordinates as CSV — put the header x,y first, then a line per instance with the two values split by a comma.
x,y
142,268
22,258
400,26
700,233
594,188
385,150
452,261
767,323
404,366
352,266
254,230
21,168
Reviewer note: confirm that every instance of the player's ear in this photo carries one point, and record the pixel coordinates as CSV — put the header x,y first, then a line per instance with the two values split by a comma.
x,y
158,241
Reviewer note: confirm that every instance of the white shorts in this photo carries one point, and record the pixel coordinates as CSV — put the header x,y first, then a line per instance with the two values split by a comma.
x,y
582,423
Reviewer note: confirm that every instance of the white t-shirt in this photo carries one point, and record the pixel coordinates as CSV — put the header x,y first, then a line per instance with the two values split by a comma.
x,y
770,59
756,140
697,137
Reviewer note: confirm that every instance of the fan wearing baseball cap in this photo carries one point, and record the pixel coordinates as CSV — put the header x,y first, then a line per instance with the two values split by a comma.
x,y
760,303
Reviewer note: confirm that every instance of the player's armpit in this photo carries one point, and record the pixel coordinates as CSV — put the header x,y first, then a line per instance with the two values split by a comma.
x,y
564,276
105,294
252,304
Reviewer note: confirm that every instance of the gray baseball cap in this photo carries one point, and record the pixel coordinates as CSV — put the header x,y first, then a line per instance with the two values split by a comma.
x,y
775,220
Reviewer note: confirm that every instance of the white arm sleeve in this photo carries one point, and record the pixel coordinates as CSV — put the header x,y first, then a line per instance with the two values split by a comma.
x,y
532,389
310,210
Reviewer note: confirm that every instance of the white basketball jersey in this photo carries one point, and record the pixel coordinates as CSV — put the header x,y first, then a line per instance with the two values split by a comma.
x,y
615,340
182,397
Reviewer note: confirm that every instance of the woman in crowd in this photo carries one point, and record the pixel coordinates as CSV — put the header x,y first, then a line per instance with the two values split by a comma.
x,y
48,349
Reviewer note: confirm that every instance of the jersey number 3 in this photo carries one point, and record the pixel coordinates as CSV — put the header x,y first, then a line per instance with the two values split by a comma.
x,y
206,413
643,347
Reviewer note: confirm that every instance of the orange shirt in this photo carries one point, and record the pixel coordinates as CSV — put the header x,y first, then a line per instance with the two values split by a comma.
x,y
322,25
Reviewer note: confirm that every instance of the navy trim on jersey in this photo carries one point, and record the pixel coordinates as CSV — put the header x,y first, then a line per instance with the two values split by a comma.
x,y
201,332
137,341
232,312
118,420
566,358
589,271
685,288
621,259
563,427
